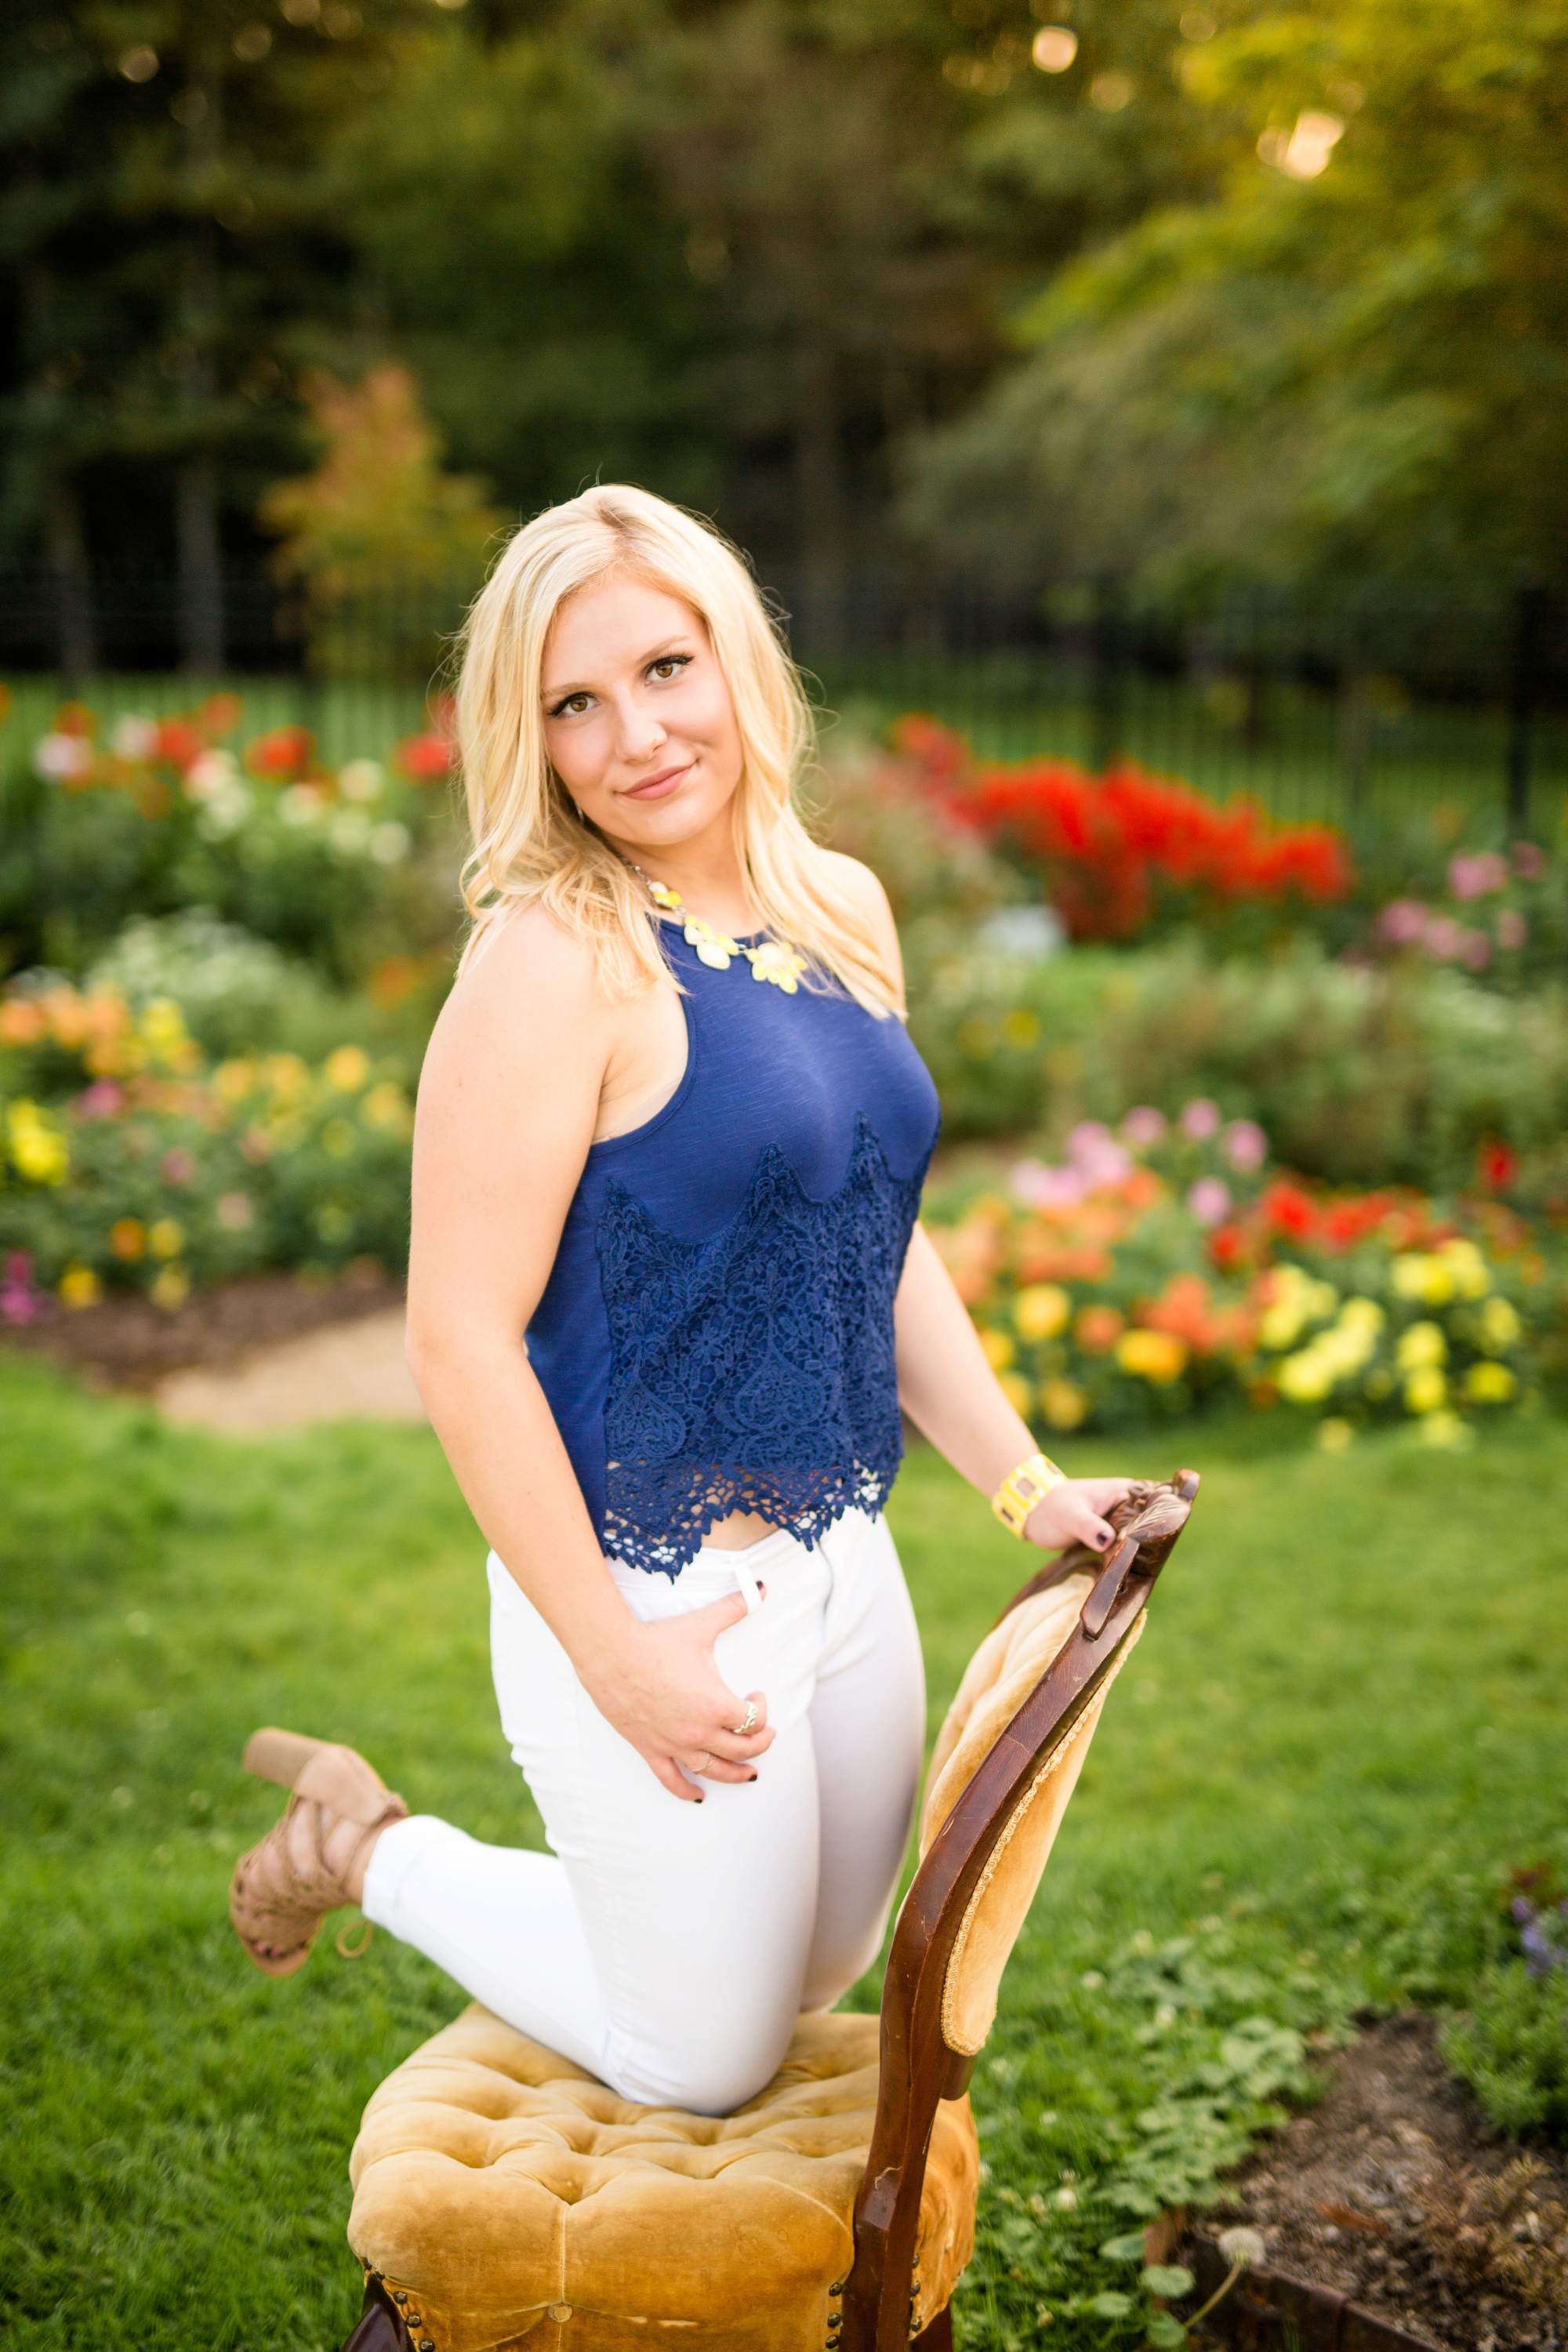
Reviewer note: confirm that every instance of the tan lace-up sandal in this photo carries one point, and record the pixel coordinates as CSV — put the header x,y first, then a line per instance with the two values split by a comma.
x,y
275,1900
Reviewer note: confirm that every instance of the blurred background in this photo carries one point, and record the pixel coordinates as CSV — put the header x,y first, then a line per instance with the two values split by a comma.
x,y
1148,424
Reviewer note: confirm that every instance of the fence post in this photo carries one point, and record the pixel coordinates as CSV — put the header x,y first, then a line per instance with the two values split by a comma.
x,y
1109,651
1529,630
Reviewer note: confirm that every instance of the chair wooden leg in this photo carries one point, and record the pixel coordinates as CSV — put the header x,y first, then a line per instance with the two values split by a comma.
x,y
937,2336
380,2327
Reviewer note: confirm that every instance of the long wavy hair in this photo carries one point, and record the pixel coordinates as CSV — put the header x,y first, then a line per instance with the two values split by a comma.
x,y
530,845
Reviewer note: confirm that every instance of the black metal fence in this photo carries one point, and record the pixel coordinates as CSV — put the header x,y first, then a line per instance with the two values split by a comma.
x,y
1368,706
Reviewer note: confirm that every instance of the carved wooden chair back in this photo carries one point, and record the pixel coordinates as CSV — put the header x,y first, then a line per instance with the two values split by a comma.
x,y
971,1892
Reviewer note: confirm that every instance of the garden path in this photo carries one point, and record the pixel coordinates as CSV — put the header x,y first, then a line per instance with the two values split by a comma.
x,y
344,1371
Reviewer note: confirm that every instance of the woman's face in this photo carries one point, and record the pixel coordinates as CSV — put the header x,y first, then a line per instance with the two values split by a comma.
x,y
638,718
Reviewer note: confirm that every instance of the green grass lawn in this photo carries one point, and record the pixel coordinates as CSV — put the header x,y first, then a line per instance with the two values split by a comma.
x,y
1344,1725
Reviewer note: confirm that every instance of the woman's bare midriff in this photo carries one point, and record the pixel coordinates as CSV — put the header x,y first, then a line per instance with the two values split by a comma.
x,y
739,1531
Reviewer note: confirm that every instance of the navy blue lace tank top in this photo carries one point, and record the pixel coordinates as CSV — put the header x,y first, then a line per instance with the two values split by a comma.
x,y
717,1332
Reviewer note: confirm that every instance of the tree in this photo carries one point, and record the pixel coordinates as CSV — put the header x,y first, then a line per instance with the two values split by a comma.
x,y
1354,358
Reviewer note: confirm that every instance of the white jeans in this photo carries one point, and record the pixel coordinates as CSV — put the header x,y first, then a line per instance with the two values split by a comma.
x,y
670,1946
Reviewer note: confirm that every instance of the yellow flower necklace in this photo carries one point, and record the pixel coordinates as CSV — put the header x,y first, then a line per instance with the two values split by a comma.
x,y
771,960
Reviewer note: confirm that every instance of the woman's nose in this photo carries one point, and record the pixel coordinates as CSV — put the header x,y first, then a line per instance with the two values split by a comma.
x,y
638,734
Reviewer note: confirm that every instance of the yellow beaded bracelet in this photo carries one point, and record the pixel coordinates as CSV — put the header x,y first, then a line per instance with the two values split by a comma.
x,y
1022,1488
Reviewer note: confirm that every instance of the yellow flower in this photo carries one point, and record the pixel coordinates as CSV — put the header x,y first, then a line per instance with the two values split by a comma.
x,y
1041,1310
79,1287
387,1106
1500,1325
1305,1377
166,1238
172,1288
1488,1383
1467,1267
1426,1389
1018,1391
348,1069
999,1348
1296,1300
1363,1315
1334,1436
1156,1356
1424,1275
285,1075
1063,1403
39,1146
232,1081
1020,1028
1423,1344
1447,1431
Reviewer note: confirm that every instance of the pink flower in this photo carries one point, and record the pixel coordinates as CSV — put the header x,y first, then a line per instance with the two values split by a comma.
x,y
1403,921
1445,939
102,1099
19,1301
1472,878
1209,1200
1512,930
177,1167
1039,1187
1527,861
1246,1145
1475,951
1200,1119
1144,1126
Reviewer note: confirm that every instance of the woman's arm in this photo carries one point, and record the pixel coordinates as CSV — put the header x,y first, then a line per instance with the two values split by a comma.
x,y
953,1396
509,1099
945,1384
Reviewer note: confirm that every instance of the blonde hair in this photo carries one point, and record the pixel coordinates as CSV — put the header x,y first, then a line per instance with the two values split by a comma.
x,y
530,845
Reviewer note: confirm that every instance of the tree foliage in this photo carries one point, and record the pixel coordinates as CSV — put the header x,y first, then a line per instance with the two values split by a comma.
x,y
1354,358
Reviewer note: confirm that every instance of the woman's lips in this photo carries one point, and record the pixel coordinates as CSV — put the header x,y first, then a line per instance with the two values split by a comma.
x,y
659,787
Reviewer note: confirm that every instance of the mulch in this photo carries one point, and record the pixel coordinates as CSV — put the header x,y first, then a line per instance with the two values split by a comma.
x,y
125,1342
1397,2194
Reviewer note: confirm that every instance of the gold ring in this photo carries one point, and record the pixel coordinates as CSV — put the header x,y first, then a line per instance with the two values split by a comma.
x,y
748,1722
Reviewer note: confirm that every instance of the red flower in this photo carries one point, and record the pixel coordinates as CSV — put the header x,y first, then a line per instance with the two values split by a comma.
x,y
1496,1165
1104,843
426,759
180,743
282,755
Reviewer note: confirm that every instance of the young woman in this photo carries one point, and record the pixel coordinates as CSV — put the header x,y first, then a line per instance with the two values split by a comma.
x,y
667,1294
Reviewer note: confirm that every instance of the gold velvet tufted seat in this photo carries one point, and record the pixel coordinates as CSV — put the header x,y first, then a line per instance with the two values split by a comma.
x,y
516,2201
504,2198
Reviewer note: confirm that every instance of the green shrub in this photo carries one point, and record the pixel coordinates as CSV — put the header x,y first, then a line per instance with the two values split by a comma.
x,y
1511,2048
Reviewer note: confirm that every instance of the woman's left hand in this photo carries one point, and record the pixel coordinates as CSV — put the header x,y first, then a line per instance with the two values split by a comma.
x,y
1073,1513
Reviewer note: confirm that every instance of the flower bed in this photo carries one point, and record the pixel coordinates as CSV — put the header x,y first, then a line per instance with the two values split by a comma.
x,y
1111,847
1168,1265
127,1159
162,814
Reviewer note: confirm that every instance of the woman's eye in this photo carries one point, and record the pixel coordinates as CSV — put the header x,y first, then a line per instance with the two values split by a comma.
x,y
572,708
672,666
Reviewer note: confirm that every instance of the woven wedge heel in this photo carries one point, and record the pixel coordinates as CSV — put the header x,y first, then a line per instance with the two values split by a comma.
x,y
284,1888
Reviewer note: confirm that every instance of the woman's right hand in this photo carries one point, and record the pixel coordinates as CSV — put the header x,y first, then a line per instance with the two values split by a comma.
x,y
660,1689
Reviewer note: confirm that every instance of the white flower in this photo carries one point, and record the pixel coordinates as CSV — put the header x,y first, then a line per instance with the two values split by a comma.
x,y
362,779
390,843
211,775
300,804
59,758
1242,2249
136,736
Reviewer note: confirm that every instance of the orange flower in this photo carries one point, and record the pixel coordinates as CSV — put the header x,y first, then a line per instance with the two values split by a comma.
x,y
1098,1328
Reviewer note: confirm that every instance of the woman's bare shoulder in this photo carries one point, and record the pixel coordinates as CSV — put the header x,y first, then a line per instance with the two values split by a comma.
x,y
861,884
532,989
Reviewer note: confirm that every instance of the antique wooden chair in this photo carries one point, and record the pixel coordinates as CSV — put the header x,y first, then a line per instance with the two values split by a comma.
x,y
504,2198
